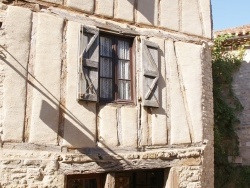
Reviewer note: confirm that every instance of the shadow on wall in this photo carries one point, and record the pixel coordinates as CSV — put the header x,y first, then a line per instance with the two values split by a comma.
x,y
97,154
146,8
241,87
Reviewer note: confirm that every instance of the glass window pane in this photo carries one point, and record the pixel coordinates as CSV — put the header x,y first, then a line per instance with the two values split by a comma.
x,y
124,90
123,49
124,69
106,46
106,88
106,67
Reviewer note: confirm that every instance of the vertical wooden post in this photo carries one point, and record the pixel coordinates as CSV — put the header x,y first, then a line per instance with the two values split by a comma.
x,y
110,181
171,178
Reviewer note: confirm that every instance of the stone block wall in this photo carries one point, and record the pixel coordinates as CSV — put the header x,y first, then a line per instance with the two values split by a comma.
x,y
47,134
241,89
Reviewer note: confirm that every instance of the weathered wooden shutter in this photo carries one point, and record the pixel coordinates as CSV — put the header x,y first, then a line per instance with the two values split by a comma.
x,y
150,94
88,62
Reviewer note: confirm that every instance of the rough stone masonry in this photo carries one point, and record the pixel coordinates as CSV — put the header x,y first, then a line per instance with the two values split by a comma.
x,y
56,128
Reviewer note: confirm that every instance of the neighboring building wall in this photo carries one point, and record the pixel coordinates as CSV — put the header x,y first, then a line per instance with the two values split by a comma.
x,y
47,135
241,88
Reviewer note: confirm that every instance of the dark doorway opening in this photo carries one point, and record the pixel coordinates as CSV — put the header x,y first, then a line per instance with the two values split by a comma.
x,y
127,179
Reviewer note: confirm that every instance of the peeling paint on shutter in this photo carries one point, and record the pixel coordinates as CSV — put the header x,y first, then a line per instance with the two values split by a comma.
x,y
150,74
88,63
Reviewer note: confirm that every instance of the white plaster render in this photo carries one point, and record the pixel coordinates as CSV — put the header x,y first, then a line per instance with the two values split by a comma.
x,y
124,9
205,8
80,117
191,21
179,132
189,60
108,123
47,69
18,29
144,129
83,5
129,126
170,14
105,7
159,129
147,12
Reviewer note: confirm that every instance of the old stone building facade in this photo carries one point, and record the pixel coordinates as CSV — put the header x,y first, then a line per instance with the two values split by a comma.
x,y
106,93
241,87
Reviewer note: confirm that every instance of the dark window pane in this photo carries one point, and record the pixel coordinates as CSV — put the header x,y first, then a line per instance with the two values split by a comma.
x,y
106,67
89,183
124,69
149,179
141,178
82,183
123,49
106,88
124,89
106,46
122,182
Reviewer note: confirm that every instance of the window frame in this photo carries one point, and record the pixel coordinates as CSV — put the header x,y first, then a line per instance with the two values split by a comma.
x,y
115,87
100,178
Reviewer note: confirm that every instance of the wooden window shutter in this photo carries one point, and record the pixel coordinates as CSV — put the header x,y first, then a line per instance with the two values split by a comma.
x,y
88,62
150,94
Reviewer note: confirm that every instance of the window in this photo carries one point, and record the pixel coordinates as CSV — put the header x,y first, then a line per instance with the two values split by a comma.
x,y
115,68
140,179
129,179
105,68
85,181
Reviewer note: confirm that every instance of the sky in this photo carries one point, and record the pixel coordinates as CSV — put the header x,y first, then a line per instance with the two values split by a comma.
x,y
230,13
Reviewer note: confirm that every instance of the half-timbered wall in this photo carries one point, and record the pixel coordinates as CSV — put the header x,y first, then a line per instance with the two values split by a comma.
x,y
53,125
